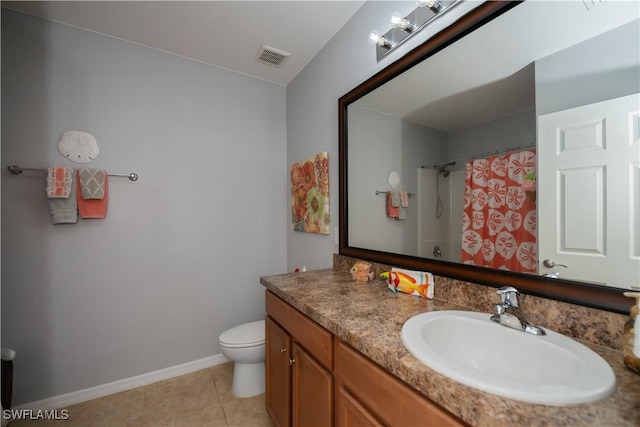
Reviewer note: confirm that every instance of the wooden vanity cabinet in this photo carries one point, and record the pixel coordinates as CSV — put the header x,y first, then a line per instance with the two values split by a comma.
x,y
299,363
316,379
367,395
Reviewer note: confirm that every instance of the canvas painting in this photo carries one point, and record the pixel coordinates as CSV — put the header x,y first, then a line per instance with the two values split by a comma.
x,y
310,195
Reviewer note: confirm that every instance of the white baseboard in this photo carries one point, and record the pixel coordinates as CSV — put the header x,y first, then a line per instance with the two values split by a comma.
x,y
79,396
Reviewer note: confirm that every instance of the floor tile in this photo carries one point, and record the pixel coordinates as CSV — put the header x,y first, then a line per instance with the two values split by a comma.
x,y
120,409
198,399
240,412
180,398
247,412
211,418
223,379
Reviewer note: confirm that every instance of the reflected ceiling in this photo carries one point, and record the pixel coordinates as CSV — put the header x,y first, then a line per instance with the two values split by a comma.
x,y
432,87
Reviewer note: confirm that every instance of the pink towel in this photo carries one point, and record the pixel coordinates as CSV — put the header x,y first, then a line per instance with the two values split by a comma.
x,y
392,211
59,182
92,208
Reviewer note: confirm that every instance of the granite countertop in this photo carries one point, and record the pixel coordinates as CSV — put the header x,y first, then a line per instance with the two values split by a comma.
x,y
369,318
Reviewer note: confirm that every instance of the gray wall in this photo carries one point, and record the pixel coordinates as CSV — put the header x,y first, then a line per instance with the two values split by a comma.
x,y
177,259
515,130
601,68
312,106
379,144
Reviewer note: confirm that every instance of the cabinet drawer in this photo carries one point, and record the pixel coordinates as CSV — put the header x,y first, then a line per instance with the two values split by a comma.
x,y
391,400
313,337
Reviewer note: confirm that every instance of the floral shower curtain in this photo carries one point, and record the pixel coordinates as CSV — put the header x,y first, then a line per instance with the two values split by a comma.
x,y
500,219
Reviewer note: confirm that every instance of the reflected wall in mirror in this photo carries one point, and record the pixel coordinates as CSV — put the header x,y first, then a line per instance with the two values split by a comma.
x,y
497,98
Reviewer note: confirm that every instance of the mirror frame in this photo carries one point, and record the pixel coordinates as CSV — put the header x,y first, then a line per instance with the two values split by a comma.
x,y
589,295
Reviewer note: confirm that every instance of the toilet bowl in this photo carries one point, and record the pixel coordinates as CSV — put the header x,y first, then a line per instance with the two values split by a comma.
x,y
244,345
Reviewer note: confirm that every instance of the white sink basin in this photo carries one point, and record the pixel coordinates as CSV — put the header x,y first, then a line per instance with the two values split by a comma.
x,y
469,348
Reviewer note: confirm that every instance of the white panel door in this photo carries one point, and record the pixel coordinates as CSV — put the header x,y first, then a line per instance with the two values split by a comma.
x,y
589,192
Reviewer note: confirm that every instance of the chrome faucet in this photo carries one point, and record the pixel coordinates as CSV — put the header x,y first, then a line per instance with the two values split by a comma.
x,y
509,314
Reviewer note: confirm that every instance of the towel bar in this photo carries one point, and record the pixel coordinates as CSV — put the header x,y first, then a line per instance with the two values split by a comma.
x,y
17,170
378,192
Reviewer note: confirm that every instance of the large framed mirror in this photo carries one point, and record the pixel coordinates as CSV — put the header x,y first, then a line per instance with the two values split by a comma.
x,y
531,91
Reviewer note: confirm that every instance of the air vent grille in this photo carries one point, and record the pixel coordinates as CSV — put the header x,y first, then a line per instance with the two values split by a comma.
x,y
271,56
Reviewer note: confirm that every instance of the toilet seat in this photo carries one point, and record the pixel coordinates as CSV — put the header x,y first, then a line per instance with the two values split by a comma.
x,y
246,335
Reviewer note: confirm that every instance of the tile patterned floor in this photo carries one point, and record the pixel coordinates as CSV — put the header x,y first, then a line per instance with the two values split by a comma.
x,y
199,399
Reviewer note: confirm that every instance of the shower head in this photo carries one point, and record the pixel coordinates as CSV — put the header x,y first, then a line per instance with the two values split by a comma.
x,y
442,169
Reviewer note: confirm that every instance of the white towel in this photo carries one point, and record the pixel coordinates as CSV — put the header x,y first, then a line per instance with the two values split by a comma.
x,y
404,199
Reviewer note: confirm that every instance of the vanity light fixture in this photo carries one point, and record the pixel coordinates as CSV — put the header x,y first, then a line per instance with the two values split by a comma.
x,y
379,40
404,27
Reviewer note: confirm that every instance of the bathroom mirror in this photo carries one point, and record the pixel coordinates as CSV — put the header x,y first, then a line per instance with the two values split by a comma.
x,y
465,84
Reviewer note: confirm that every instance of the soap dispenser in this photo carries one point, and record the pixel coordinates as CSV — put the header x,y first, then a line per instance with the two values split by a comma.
x,y
631,346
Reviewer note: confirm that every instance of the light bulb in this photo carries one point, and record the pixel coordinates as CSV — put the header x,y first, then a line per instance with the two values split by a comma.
x,y
377,39
401,22
374,37
434,5
396,18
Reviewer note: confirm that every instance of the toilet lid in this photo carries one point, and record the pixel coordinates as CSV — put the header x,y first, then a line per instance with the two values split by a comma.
x,y
246,335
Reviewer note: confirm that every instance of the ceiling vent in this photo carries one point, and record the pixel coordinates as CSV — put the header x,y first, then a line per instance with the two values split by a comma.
x,y
272,56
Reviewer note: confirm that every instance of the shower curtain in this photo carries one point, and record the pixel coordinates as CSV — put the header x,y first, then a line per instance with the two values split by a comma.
x,y
500,218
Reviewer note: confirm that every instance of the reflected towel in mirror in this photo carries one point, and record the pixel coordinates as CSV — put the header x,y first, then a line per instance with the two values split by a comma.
x,y
392,210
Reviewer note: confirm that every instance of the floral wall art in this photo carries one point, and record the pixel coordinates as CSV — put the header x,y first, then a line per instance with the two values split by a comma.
x,y
310,195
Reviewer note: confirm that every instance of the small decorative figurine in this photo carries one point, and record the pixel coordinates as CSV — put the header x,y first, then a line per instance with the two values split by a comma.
x,y
361,272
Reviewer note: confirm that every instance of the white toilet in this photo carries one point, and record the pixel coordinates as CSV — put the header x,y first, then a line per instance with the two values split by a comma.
x,y
244,345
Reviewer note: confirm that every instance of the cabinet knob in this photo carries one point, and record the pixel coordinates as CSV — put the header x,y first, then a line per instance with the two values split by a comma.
x,y
283,350
292,361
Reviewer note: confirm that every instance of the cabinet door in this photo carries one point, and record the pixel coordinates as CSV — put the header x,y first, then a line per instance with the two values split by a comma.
x,y
312,387
278,374
392,401
351,413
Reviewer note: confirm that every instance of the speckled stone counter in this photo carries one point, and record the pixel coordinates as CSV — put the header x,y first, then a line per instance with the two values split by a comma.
x,y
369,318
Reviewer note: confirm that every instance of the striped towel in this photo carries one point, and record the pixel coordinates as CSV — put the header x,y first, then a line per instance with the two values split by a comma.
x,y
59,182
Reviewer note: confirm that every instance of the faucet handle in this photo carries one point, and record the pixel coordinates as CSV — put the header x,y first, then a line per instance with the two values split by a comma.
x,y
508,294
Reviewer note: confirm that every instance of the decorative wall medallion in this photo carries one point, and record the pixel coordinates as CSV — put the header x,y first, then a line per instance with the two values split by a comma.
x,y
394,179
78,146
